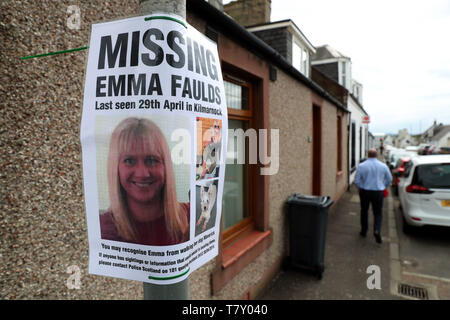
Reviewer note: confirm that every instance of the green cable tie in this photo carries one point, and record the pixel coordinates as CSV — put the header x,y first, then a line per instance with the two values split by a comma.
x,y
169,278
53,53
166,18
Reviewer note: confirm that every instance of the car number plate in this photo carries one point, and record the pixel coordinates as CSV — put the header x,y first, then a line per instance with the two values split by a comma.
x,y
446,203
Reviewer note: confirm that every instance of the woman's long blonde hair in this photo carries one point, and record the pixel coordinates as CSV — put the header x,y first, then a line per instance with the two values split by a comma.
x,y
130,134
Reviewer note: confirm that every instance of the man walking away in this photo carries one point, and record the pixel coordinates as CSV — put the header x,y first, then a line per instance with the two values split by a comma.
x,y
372,177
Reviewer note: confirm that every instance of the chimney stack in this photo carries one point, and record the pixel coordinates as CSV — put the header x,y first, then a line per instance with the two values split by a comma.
x,y
249,12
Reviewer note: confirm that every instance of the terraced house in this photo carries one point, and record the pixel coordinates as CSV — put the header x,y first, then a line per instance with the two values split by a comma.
x,y
267,73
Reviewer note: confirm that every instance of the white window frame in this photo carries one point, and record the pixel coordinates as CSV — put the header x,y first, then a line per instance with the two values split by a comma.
x,y
343,73
296,55
305,62
300,57
347,81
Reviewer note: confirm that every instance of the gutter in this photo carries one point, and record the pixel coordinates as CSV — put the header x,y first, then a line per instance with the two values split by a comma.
x,y
234,30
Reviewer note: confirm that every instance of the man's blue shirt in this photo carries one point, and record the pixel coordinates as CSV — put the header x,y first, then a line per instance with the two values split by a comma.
x,y
373,174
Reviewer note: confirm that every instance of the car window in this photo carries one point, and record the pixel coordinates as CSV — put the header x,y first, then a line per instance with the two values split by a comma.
x,y
408,166
433,175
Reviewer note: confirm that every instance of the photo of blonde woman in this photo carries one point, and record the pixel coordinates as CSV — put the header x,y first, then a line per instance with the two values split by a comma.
x,y
144,208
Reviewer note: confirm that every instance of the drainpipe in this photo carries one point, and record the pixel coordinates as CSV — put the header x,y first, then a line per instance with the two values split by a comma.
x,y
180,290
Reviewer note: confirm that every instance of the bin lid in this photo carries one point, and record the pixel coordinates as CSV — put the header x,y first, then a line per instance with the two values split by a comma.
x,y
322,201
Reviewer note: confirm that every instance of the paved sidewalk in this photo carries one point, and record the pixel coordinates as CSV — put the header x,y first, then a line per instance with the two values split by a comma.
x,y
347,257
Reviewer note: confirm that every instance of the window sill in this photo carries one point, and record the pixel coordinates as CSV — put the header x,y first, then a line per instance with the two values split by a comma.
x,y
239,248
238,255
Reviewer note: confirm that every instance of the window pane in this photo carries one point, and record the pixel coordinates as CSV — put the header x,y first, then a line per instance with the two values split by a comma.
x,y
343,73
343,68
237,96
235,193
433,176
296,56
304,62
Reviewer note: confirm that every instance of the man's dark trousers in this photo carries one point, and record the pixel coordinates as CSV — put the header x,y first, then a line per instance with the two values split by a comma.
x,y
375,198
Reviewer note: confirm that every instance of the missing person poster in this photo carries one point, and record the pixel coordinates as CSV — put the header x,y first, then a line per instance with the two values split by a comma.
x,y
153,140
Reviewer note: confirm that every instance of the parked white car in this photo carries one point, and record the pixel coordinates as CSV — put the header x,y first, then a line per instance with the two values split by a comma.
x,y
424,192
398,154
414,149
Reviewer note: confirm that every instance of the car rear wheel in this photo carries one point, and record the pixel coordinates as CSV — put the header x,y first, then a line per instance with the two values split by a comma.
x,y
407,228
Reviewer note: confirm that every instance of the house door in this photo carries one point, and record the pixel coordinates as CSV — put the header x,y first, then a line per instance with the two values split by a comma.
x,y
317,151
353,151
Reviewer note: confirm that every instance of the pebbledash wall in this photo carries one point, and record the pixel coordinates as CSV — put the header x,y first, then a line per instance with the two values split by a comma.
x,y
42,218
291,111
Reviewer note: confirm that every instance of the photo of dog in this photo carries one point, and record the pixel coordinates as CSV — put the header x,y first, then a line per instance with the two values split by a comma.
x,y
209,144
211,160
206,206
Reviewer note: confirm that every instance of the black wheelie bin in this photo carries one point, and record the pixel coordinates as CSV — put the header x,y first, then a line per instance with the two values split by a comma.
x,y
307,218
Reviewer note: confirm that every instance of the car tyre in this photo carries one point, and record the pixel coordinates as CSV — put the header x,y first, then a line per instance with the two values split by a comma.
x,y
286,263
407,228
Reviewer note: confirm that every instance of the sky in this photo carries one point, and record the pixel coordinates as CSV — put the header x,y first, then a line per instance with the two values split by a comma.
x,y
400,53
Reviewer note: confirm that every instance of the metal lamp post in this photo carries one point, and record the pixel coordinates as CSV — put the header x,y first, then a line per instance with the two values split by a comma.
x,y
180,290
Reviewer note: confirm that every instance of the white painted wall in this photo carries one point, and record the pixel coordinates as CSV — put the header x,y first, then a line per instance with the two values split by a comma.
x,y
357,116
444,141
